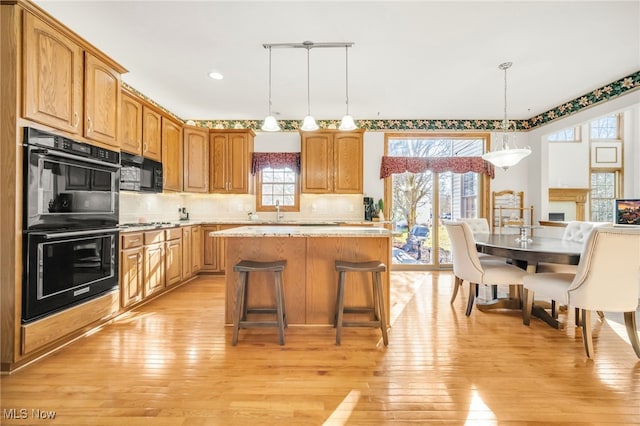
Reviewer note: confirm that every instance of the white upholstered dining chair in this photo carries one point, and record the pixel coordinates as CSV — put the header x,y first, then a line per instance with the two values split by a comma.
x,y
574,231
478,225
467,265
607,279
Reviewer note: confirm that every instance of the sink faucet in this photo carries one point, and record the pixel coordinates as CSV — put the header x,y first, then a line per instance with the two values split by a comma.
x,y
278,214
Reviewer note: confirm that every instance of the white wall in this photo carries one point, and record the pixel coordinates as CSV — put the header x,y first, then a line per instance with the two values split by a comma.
x,y
571,164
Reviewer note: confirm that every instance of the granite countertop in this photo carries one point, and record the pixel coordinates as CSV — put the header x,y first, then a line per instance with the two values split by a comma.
x,y
135,227
302,231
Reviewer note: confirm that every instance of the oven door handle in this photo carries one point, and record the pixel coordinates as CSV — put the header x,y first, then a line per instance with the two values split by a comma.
x,y
46,152
52,235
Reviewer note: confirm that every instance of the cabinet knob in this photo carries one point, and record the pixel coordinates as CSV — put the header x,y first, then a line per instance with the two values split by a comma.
x,y
90,129
76,120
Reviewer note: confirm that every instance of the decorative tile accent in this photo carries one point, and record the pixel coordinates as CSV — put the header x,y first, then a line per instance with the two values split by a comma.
x,y
595,97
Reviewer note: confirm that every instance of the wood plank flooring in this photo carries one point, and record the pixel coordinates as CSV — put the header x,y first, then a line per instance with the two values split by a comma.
x,y
170,362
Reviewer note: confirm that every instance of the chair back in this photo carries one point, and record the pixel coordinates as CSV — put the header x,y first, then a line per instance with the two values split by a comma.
x,y
478,225
579,231
466,264
608,275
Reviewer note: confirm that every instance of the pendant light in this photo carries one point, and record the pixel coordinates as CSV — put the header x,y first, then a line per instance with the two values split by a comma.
x,y
347,122
505,156
309,123
270,123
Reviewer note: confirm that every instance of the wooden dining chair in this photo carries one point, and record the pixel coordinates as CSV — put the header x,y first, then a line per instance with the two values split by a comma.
x,y
607,279
467,265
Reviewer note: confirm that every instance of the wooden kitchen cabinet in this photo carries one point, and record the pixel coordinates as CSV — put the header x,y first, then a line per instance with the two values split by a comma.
x,y
131,270
209,249
151,134
230,161
214,248
53,77
68,87
196,249
173,256
154,268
196,159
101,101
130,124
171,155
140,127
332,162
187,247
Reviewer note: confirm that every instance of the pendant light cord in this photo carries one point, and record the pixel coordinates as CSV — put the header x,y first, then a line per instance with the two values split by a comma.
x,y
346,67
308,85
269,80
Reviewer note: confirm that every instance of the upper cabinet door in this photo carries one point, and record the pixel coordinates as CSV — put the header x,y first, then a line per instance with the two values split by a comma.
x,y
102,101
53,77
151,134
238,163
196,159
131,125
317,163
347,158
218,162
171,155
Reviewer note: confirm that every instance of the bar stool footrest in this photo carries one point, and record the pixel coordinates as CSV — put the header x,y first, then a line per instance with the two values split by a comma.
x,y
374,324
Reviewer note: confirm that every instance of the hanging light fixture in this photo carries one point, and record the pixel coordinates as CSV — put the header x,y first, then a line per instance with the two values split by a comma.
x,y
347,122
270,123
505,156
309,122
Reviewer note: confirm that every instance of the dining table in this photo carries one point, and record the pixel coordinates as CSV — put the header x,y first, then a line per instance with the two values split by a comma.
x,y
526,255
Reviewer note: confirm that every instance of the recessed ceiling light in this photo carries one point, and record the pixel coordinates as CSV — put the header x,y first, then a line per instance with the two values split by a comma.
x,y
216,75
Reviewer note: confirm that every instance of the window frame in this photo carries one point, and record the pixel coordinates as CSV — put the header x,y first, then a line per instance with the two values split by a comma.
x,y
283,208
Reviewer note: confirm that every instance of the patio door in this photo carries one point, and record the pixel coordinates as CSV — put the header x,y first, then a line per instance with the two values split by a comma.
x,y
420,202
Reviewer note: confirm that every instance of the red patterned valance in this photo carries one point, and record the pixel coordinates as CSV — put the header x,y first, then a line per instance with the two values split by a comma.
x,y
276,160
391,165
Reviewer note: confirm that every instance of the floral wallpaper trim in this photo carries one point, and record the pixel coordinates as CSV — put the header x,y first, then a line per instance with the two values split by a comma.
x,y
151,101
602,94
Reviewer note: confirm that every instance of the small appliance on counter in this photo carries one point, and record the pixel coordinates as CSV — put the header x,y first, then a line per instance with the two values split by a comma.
x,y
369,208
184,214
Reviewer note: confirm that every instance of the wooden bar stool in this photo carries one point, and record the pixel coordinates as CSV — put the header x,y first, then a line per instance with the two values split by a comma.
x,y
377,310
240,317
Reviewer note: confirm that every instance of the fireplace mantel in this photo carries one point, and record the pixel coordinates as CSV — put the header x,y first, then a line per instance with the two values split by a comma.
x,y
578,196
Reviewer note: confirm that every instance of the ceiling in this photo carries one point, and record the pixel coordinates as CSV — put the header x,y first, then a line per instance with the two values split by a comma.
x,y
411,59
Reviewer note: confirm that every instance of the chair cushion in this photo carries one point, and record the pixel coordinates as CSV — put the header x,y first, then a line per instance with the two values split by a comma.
x,y
550,285
501,273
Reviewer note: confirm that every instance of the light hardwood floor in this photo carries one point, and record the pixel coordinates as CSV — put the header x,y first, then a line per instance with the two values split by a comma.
x,y
170,362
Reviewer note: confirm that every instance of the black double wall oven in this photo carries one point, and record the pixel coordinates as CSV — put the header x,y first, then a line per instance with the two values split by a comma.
x,y
70,234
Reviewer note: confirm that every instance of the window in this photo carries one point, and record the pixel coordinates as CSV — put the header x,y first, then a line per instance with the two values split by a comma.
x,y
606,127
468,202
606,166
604,188
278,185
572,134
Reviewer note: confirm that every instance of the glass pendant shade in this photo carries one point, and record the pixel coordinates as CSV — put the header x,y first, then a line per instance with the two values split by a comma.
x,y
270,124
347,123
309,124
505,157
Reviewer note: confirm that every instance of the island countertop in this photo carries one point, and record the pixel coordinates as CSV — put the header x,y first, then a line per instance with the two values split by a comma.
x,y
302,231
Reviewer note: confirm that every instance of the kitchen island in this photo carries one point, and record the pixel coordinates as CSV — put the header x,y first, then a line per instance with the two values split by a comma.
x,y
310,279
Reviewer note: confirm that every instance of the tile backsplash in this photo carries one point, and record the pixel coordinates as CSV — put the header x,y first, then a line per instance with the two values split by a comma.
x,y
140,207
